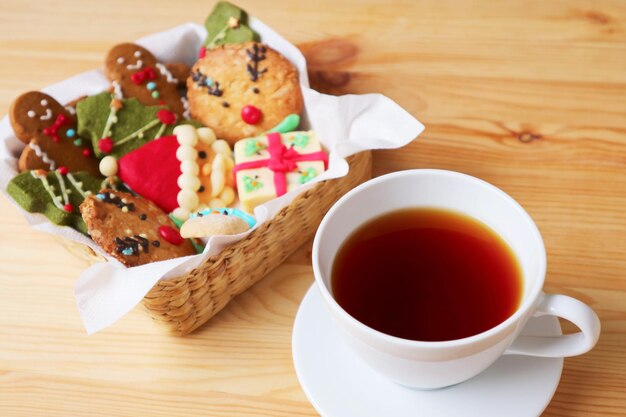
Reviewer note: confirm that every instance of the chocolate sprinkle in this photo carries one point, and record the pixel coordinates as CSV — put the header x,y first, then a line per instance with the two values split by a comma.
x,y
200,80
143,217
256,54
225,104
145,243
132,243
111,198
214,90
256,90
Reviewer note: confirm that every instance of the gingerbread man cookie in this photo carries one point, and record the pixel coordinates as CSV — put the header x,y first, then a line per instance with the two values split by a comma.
x,y
132,229
138,74
49,131
243,90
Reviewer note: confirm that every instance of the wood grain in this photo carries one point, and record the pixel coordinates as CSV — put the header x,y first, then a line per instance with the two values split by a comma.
x,y
528,95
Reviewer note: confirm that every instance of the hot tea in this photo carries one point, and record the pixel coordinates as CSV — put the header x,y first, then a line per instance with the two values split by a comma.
x,y
427,274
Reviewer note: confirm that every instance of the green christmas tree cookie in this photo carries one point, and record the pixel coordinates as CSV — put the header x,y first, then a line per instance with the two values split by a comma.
x,y
57,194
116,127
227,23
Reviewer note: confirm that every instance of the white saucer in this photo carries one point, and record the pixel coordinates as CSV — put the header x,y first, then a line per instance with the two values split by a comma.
x,y
338,384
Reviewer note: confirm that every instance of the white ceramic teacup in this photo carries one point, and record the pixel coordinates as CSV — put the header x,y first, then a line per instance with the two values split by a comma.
x,y
429,365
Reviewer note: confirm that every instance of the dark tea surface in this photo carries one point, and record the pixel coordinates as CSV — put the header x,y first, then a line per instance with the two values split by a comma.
x,y
427,274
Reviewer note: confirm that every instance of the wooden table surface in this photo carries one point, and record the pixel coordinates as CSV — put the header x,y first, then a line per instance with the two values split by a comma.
x,y
528,95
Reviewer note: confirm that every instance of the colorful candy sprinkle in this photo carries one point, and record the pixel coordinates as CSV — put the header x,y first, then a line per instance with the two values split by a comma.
x,y
63,170
151,85
70,133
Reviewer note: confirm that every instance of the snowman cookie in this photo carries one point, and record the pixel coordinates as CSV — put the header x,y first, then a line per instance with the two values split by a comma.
x,y
243,90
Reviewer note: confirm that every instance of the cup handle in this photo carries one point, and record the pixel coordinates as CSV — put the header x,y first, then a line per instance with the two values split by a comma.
x,y
560,346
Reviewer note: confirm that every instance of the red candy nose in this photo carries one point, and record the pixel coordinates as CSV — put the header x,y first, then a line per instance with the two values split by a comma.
x,y
251,115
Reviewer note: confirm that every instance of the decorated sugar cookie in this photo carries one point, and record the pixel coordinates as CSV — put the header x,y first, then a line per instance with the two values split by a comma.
x,y
227,24
221,221
132,229
182,172
243,90
56,194
140,75
269,166
117,126
49,132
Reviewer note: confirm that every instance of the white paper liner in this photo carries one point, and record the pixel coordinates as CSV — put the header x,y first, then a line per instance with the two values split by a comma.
x,y
345,125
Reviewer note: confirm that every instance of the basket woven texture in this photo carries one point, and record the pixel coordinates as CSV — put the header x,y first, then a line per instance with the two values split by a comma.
x,y
186,302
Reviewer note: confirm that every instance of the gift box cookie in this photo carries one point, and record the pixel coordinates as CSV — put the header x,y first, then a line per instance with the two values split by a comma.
x,y
271,165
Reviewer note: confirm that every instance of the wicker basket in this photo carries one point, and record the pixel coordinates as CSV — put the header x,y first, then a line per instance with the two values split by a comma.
x,y
186,302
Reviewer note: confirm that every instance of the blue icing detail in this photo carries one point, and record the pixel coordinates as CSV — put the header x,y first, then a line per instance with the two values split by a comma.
x,y
128,251
70,133
100,196
230,211
151,85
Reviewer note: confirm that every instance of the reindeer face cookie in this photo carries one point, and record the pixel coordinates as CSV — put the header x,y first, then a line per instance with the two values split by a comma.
x,y
138,74
243,90
49,131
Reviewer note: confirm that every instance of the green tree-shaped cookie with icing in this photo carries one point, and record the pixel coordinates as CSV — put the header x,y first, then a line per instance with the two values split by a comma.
x,y
57,194
116,127
227,23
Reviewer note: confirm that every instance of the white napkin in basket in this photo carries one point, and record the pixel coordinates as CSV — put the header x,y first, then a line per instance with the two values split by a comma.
x,y
345,125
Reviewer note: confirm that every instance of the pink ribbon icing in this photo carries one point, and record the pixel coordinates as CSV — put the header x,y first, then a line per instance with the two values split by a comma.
x,y
282,160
